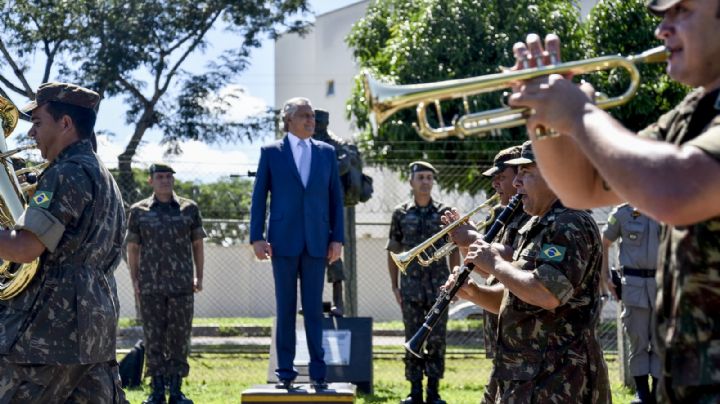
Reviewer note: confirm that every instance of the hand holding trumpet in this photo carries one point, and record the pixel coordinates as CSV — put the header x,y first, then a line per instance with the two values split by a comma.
x,y
554,100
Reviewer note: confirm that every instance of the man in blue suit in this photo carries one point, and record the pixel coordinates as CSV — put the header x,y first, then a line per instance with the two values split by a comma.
x,y
305,230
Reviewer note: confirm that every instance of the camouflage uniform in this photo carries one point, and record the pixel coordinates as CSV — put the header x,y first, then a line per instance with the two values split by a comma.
x,y
506,236
419,286
688,334
57,338
553,355
165,232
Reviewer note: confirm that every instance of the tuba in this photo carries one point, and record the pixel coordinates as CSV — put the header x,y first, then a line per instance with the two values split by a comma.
x,y
14,277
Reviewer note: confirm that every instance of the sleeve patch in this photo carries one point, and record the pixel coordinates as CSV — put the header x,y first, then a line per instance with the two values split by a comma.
x,y
552,252
41,199
612,219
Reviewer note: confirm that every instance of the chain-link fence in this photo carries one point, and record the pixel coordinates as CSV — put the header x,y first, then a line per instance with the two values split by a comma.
x,y
236,284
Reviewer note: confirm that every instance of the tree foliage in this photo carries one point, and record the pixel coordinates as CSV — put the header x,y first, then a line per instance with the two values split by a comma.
x,y
625,27
433,40
138,50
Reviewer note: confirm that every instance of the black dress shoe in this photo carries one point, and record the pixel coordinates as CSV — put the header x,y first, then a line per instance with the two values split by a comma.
x,y
284,384
319,384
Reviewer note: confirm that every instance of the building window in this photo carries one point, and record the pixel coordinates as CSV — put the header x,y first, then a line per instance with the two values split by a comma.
x,y
330,88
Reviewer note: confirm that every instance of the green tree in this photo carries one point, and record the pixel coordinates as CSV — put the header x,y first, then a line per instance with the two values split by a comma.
x,y
138,50
630,20
432,40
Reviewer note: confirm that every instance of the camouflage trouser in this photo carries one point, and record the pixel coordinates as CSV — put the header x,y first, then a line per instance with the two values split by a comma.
x,y
335,272
433,362
167,325
48,384
490,391
574,381
706,394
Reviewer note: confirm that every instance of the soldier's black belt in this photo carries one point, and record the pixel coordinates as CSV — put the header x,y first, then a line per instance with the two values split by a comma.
x,y
643,273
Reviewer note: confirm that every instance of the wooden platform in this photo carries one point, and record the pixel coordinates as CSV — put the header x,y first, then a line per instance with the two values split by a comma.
x,y
302,394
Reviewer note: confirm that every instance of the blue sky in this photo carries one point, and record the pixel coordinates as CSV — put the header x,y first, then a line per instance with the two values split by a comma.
x,y
200,161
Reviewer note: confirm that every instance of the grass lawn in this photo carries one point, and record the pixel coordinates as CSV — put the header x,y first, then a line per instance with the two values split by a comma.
x,y
221,378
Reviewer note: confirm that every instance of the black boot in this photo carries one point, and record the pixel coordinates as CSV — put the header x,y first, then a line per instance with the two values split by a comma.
x,y
642,391
337,308
432,392
158,391
415,396
176,396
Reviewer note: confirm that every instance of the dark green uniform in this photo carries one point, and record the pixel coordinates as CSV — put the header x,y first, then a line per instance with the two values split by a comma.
x,y
57,338
165,232
688,334
553,355
419,286
507,236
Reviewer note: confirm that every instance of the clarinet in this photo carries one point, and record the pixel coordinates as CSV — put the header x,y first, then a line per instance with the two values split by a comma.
x,y
416,345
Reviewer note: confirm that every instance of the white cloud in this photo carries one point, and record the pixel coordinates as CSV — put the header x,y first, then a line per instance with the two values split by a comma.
x,y
237,103
199,161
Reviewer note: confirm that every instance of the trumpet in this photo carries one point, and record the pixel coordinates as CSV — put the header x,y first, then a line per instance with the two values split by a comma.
x,y
404,259
386,99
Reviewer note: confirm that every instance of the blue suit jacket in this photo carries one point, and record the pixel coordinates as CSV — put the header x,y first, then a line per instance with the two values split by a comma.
x,y
299,216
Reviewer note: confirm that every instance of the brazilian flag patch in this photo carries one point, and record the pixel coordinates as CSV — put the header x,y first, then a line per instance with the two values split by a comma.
x,y
41,199
552,252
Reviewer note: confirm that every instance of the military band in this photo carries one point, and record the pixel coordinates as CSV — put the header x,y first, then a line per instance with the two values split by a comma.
x,y
543,274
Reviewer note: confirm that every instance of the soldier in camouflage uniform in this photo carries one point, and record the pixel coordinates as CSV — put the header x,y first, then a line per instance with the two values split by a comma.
x,y
57,337
671,172
502,181
549,303
412,223
165,237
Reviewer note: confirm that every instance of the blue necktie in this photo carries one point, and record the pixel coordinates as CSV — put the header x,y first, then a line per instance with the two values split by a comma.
x,y
304,162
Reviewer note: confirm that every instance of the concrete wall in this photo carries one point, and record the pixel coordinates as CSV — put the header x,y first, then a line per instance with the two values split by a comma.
x,y
236,284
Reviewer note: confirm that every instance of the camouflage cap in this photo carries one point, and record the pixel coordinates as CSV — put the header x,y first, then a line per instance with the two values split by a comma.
x,y
417,166
500,159
65,93
658,7
160,168
526,156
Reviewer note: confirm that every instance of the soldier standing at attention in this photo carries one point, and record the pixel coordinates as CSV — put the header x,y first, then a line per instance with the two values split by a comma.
x,y
639,239
412,223
57,336
164,239
549,303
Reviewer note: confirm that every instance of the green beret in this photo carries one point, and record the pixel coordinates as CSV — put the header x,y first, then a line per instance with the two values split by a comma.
x,y
160,168
64,93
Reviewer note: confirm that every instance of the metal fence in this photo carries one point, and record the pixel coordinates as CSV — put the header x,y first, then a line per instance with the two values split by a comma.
x,y
236,284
